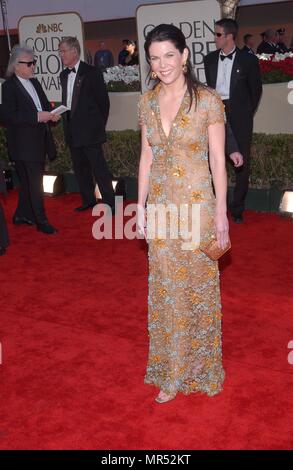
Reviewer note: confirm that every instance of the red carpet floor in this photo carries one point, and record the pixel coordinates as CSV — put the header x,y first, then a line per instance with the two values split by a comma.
x,y
74,342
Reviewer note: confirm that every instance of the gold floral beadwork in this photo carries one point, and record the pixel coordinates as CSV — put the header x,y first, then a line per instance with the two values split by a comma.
x,y
157,189
162,292
181,273
194,298
155,315
184,121
196,196
159,242
194,147
179,172
185,353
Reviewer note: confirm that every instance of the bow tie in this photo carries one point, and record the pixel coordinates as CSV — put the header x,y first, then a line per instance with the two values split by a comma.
x,y
229,56
68,71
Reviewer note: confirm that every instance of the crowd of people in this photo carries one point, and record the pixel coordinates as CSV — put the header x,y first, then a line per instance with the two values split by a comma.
x,y
184,127
104,58
273,41
27,115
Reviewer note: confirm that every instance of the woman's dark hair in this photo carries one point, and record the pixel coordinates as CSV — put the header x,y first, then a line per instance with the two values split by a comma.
x,y
169,32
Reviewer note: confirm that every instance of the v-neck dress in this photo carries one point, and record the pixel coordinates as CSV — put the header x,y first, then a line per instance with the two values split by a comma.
x,y
184,316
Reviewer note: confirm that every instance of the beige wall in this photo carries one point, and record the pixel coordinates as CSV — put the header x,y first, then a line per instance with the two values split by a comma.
x,y
274,115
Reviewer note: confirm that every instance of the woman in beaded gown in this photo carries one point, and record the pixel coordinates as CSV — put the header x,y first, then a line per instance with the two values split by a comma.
x,y
182,123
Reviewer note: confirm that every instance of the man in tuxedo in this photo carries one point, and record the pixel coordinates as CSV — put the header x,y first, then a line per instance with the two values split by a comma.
x,y
25,113
85,94
236,77
248,43
4,239
269,43
281,46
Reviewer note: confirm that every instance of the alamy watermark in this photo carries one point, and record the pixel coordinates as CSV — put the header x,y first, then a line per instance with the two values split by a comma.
x,y
290,94
290,355
163,221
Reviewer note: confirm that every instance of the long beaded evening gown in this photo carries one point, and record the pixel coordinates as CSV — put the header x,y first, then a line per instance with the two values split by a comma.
x,y
184,318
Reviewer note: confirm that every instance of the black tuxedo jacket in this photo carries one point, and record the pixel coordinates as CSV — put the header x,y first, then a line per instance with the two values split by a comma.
x,y
266,48
27,139
245,93
247,49
89,108
2,179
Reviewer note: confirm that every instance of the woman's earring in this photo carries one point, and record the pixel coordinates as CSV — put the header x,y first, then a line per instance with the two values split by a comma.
x,y
154,75
184,68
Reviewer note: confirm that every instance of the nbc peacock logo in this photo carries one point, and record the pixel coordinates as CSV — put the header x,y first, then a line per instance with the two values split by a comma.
x,y
49,28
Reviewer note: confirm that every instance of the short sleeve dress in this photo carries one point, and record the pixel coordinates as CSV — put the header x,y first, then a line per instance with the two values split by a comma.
x,y
184,316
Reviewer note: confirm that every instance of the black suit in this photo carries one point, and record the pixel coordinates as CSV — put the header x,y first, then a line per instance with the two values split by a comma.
x,y
84,128
266,48
4,241
245,93
28,144
247,49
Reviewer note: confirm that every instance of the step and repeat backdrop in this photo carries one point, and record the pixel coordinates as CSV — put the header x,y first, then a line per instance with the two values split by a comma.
x,y
196,20
43,34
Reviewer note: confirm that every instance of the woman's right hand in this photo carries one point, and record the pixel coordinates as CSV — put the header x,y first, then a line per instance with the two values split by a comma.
x,y
141,221
222,229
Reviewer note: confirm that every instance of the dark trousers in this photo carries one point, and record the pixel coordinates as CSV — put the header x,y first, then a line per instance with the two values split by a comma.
x,y
31,197
89,162
4,240
237,205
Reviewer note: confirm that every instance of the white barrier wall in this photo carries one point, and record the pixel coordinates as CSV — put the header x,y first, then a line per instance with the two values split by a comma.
x,y
274,115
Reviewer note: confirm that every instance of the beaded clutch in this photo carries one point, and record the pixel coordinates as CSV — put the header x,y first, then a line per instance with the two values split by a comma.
x,y
213,251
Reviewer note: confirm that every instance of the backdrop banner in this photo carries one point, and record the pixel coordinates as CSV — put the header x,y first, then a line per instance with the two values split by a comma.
x,y
90,10
43,34
196,19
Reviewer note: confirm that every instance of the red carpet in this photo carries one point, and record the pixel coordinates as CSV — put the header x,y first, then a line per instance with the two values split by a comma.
x,y
74,342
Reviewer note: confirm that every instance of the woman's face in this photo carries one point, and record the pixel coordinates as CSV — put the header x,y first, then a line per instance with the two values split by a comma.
x,y
166,61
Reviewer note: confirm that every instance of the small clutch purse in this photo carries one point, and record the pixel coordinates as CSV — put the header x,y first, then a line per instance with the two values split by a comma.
x,y
213,251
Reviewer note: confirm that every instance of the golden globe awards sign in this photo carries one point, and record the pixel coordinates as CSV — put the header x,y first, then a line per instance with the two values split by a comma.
x,y
43,33
196,19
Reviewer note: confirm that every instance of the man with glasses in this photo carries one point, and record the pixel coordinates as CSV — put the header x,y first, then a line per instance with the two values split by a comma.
x,y
85,95
236,77
26,112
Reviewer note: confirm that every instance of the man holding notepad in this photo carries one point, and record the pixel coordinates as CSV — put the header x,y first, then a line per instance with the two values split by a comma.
x,y
85,95
26,114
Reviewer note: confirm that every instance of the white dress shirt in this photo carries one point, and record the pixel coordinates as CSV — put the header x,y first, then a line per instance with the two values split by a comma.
x,y
224,75
70,85
31,91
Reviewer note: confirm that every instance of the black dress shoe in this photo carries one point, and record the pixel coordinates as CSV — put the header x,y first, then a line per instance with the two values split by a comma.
x,y
22,220
238,219
2,250
46,228
84,207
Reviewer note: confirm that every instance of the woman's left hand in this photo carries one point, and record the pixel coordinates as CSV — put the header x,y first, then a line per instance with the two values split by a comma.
x,y
222,229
